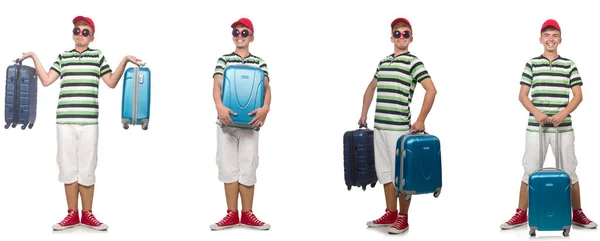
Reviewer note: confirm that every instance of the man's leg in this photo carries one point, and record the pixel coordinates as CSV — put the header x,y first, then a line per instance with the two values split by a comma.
x,y
569,164
531,162
88,161
227,162
383,167
248,164
66,159
401,223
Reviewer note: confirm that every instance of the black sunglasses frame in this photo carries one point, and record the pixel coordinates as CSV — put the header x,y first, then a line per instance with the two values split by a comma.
x,y
84,32
405,34
244,33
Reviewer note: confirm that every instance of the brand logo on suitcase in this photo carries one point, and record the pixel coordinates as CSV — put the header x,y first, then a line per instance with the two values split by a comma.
x,y
245,77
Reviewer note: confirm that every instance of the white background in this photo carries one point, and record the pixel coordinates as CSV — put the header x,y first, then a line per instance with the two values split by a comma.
x,y
321,55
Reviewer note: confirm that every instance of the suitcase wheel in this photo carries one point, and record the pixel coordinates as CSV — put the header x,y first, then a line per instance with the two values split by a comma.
x,y
125,126
30,125
23,127
436,194
13,125
566,232
407,197
144,124
349,187
6,126
373,184
532,233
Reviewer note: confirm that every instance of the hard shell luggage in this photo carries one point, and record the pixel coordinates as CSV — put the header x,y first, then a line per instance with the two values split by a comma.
x,y
418,164
550,195
359,158
135,107
243,92
20,102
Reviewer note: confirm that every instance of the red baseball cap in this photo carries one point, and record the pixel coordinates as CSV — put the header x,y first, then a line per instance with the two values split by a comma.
x,y
88,20
403,20
550,23
244,21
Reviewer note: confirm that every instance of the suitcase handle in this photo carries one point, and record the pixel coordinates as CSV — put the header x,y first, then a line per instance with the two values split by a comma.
x,y
18,62
362,126
556,148
412,132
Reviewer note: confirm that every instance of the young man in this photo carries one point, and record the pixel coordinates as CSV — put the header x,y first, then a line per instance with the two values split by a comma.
x,y
550,78
80,70
396,77
237,148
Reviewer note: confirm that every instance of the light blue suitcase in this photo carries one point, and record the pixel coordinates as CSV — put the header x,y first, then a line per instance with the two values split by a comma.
x,y
135,108
242,92
550,196
418,165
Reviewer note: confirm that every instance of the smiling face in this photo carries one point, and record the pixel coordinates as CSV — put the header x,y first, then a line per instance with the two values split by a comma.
x,y
401,36
550,38
82,34
242,36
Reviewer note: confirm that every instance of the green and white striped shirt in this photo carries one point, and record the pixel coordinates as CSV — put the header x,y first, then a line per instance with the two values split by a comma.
x,y
550,88
397,78
80,75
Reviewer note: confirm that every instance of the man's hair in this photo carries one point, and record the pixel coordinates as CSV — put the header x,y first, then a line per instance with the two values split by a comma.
x,y
549,29
400,24
84,23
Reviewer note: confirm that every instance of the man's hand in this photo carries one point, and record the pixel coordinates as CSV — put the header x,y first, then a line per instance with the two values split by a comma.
x,y
362,121
542,118
418,126
261,115
558,118
25,56
133,59
224,115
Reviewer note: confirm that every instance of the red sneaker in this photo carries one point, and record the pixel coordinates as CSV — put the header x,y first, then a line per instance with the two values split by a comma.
x,y
249,220
520,218
232,219
386,220
400,226
89,220
71,220
580,219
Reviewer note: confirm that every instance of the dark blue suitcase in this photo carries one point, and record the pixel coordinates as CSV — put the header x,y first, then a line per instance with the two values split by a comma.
x,y
135,105
359,158
418,165
550,196
242,92
20,102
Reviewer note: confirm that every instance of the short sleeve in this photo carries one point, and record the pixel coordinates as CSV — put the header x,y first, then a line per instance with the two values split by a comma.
x,y
377,70
418,71
574,78
220,68
527,76
263,66
104,67
57,65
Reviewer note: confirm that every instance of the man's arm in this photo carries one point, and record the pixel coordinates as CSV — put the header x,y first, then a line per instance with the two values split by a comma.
x,y
46,78
575,101
217,90
111,79
267,101
368,97
428,100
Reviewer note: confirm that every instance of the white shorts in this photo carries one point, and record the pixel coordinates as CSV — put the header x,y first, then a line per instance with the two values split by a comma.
x,y
237,155
77,154
531,158
385,153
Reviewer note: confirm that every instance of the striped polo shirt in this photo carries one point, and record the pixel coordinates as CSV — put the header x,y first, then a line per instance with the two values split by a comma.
x,y
397,78
235,59
550,88
80,75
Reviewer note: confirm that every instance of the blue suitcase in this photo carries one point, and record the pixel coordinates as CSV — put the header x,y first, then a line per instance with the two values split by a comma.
x,y
20,102
135,107
550,196
359,158
242,92
418,165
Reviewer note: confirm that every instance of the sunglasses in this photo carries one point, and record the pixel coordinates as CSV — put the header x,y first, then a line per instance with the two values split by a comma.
x,y
236,33
84,32
405,34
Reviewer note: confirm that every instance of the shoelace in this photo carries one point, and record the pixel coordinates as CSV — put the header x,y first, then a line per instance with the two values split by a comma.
x,y
384,217
401,220
515,217
582,217
226,219
253,219
67,219
92,219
